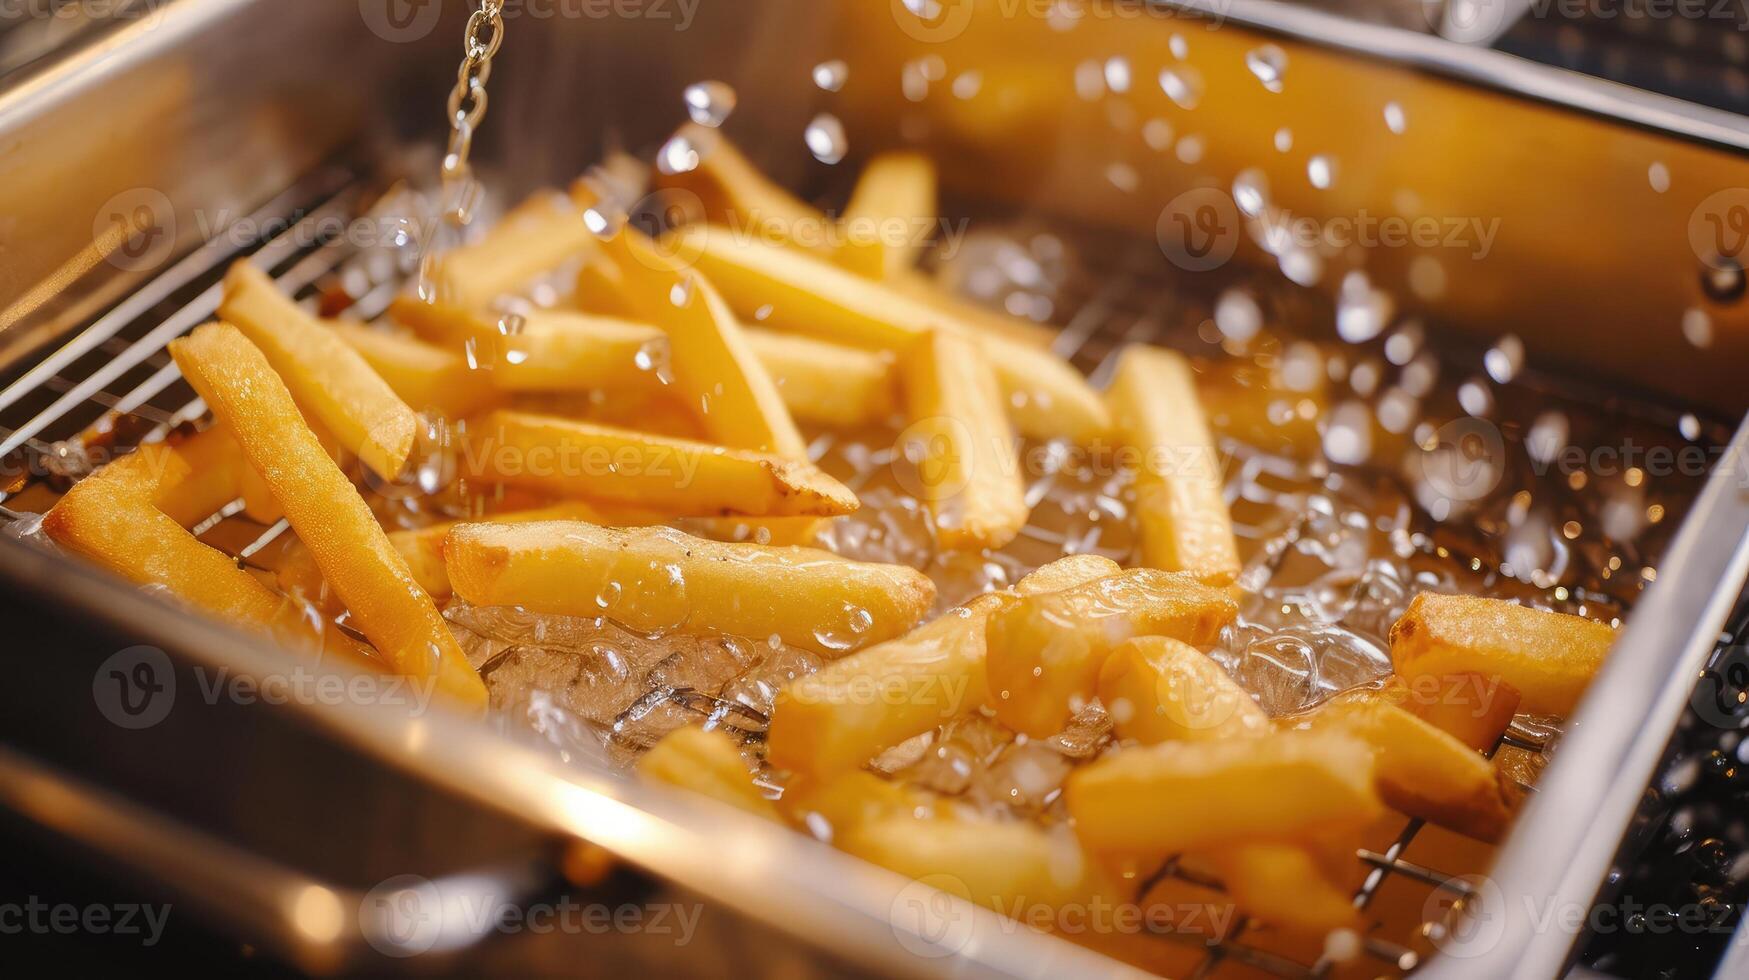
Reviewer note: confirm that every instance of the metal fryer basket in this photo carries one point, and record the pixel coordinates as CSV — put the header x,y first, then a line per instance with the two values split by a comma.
x,y
113,363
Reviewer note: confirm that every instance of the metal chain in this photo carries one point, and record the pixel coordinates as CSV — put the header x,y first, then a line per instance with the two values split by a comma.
x,y
467,101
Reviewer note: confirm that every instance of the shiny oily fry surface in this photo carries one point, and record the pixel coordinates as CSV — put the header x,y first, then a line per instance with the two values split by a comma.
x,y
1548,657
1152,802
331,519
660,579
1180,508
708,763
1159,689
1046,651
677,477
425,376
536,237
327,376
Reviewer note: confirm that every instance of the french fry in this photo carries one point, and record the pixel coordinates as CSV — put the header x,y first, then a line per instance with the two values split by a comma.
x,y
676,476
1181,512
884,221
189,480
1177,796
578,352
326,376
969,470
467,330
707,763
809,295
841,716
1474,709
1282,884
736,193
329,516
422,374
1548,657
422,548
1422,771
1045,652
538,236
999,865
835,805
827,384
1067,573
1159,689
655,578
714,368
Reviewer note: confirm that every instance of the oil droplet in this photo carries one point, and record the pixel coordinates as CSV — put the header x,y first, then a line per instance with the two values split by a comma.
x,y
1321,171
1268,63
1122,176
1348,437
1182,86
709,103
1284,139
1302,266
830,76
1395,120
968,84
825,138
1180,49
680,294
1251,191
1089,80
1361,311
677,156
1547,437
1697,326
1157,133
1403,345
1504,359
1237,315
1689,426
913,82
1475,398
1190,149
1658,176
1117,74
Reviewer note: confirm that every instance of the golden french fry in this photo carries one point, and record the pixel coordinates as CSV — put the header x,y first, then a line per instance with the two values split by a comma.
x,y
1004,866
1282,884
713,367
885,223
826,383
679,477
422,548
834,805
468,330
1177,796
1067,573
1045,652
326,376
1473,708
801,293
538,236
424,375
1422,771
1548,657
659,578
708,763
576,352
968,470
329,516
847,712
1182,514
735,193
189,480
1159,689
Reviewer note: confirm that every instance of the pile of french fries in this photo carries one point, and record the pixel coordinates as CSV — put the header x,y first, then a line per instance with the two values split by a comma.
x,y
691,363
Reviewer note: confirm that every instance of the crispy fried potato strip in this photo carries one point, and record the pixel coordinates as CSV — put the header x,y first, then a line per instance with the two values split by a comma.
x,y
536,237
331,519
1182,514
332,380
1152,802
678,477
1548,657
1159,689
660,578
844,714
886,223
425,376
1046,651
968,469
708,763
